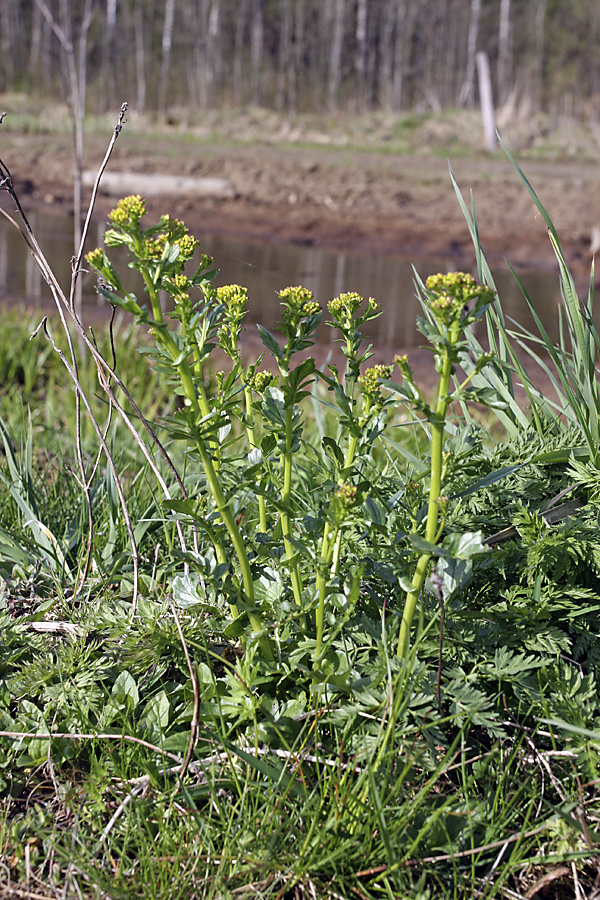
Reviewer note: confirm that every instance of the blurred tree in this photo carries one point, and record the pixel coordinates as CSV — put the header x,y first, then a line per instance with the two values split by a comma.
x,y
71,26
300,55
504,52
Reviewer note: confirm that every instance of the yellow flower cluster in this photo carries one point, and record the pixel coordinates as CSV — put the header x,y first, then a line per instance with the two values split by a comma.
x,y
299,301
232,295
449,294
369,382
96,257
311,308
404,366
345,303
187,245
128,211
343,307
262,380
180,286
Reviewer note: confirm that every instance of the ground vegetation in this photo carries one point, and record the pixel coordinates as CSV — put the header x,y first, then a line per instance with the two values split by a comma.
x,y
280,630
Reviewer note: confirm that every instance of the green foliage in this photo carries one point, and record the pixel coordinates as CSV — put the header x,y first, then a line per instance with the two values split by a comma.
x,y
264,644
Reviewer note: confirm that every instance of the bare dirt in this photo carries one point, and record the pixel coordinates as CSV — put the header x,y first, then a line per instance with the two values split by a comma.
x,y
377,202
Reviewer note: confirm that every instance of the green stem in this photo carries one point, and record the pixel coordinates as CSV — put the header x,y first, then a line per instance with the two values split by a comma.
x,y
286,495
151,288
328,545
433,508
189,387
237,541
262,506
348,463
197,388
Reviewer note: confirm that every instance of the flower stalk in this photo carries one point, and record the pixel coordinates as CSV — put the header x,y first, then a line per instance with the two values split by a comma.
x,y
159,253
452,302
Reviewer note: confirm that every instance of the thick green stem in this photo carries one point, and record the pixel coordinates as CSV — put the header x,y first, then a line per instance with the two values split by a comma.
x,y
348,463
198,392
328,545
286,495
236,539
192,400
152,292
262,506
433,507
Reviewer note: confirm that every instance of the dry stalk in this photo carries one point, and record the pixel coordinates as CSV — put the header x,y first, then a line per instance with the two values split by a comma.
x,y
6,183
109,458
63,306
76,736
106,373
194,726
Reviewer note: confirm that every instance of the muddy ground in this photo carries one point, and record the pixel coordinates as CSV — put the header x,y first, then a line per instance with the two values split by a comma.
x,y
340,197
381,202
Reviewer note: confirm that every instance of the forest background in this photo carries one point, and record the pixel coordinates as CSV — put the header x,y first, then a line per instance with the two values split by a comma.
x,y
330,118
311,55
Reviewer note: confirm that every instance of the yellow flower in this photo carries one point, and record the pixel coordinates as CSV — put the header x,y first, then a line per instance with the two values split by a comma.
x,y
128,211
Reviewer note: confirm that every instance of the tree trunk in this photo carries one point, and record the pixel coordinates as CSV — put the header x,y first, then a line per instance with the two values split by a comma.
x,y
256,50
466,93
140,56
361,53
191,24
487,102
109,53
239,46
37,42
297,75
386,55
165,60
214,49
404,27
6,43
335,58
539,37
504,52
76,63
284,55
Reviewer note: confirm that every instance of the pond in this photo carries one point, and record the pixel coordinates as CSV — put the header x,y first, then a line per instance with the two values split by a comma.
x,y
265,268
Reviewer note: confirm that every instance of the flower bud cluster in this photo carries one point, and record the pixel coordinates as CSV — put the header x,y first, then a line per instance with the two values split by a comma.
x,y
128,211
99,260
449,294
175,232
299,303
404,366
346,498
369,381
96,257
344,307
260,381
179,285
232,296
348,495
311,308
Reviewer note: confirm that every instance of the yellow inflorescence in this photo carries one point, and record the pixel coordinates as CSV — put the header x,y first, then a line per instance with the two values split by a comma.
x,y
128,211
232,295
369,382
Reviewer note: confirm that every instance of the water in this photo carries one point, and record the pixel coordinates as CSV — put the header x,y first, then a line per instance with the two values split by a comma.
x,y
265,268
